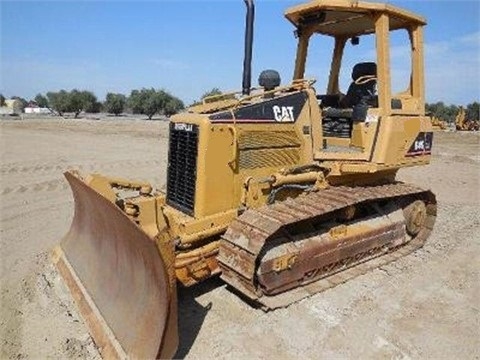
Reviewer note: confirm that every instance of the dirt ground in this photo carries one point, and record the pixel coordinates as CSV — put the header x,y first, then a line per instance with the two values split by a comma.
x,y
425,305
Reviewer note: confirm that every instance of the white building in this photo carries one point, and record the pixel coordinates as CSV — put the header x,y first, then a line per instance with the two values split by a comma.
x,y
37,110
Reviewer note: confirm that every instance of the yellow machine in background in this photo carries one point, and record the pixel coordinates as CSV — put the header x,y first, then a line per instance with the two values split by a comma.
x,y
462,124
284,190
438,124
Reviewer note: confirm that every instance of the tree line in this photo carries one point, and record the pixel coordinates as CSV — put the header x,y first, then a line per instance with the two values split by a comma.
x,y
144,101
150,102
449,112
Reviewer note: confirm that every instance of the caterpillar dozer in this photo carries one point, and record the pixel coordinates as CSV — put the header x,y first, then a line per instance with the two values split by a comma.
x,y
462,124
438,124
281,190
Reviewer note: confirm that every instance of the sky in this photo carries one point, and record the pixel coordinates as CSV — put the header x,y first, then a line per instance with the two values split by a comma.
x,y
190,46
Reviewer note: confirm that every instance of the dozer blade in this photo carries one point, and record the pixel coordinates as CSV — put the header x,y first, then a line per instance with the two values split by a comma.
x,y
118,279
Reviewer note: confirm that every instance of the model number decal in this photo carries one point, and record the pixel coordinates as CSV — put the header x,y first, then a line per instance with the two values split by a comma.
x,y
419,145
183,127
422,145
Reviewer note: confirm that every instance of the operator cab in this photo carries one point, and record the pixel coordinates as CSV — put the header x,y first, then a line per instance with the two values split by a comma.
x,y
358,94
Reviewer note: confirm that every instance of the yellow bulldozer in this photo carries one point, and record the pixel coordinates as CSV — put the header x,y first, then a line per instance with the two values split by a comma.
x,y
438,124
462,124
281,190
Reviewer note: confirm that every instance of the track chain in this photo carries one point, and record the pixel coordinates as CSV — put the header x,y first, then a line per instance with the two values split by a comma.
x,y
241,246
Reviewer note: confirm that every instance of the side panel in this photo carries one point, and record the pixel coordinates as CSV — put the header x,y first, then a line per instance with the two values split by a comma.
x,y
216,166
255,140
265,149
400,141
359,146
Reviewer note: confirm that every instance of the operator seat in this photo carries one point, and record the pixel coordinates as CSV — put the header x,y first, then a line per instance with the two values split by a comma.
x,y
364,76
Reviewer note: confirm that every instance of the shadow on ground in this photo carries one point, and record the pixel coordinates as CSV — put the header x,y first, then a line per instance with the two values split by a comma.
x,y
191,314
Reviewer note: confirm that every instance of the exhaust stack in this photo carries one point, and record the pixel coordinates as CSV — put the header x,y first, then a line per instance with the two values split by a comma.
x,y
247,61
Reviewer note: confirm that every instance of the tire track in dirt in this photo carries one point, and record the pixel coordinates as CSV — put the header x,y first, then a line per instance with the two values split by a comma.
x,y
440,244
45,186
19,168
52,185
39,293
22,169
60,183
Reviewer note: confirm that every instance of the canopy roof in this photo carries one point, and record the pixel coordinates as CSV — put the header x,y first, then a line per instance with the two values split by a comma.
x,y
349,17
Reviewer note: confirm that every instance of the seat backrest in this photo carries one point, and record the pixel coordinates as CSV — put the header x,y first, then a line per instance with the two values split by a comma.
x,y
355,91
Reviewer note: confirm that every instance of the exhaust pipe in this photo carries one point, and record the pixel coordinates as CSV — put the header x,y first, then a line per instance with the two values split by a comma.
x,y
247,61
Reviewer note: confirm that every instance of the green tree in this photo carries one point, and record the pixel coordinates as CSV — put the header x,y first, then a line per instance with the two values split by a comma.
x,y
59,101
442,111
473,111
90,102
115,103
137,100
148,101
41,101
94,108
2,100
173,106
213,92
75,102
156,102
78,101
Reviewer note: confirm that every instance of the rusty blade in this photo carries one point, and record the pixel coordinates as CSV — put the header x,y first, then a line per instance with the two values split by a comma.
x,y
118,279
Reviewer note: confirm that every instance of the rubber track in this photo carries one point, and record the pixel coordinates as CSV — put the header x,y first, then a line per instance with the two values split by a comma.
x,y
247,235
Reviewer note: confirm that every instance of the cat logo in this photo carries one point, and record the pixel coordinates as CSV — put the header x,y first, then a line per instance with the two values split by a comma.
x,y
283,113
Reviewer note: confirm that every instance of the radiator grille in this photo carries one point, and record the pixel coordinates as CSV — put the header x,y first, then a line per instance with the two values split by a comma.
x,y
182,167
